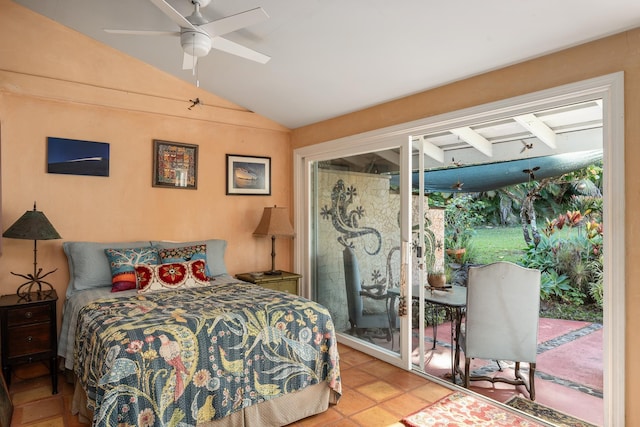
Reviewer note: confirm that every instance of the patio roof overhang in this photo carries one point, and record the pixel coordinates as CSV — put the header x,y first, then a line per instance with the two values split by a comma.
x,y
495,153
495,175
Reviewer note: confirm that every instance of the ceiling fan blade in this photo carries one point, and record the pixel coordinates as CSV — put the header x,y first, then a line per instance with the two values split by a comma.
x,y
173,14
235,22
238,50
189,62
143,32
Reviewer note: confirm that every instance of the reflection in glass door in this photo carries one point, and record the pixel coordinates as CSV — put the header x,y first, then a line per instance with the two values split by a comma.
x,y
356,244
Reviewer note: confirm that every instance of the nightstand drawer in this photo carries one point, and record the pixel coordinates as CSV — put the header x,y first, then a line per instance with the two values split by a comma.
x,y
290,286
29,340
28,332
28,315
283,282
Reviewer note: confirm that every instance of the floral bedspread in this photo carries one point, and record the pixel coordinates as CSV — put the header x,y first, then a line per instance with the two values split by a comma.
x,y
178,358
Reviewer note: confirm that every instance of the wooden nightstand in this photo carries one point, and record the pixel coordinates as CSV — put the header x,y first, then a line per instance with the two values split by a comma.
x,y
286,282
29,332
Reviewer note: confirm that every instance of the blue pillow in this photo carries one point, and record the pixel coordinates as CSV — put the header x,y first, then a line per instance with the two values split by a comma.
x,y
123,261
88,264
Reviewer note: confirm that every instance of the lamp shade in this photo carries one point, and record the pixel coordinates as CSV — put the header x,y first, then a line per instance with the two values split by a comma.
x,y
275,222
33,225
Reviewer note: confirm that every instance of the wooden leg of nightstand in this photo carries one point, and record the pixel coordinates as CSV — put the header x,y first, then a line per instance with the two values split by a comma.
x,y
6,373
54,374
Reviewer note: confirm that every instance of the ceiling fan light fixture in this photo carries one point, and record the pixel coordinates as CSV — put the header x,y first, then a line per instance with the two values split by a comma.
x,y
201,3
195,43
198,35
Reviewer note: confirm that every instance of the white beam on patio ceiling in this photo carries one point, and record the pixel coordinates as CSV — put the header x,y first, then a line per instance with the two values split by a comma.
x,y
474,139
390,156
429,149
538,128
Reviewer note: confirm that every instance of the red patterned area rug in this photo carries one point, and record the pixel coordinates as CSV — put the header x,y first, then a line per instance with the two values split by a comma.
x,y
461,409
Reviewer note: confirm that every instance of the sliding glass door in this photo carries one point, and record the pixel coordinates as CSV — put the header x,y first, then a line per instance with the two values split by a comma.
x,y
372,240
332,214
359,244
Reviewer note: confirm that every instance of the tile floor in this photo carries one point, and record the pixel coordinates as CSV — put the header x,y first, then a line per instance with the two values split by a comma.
x,y
374,394
378,394
568,373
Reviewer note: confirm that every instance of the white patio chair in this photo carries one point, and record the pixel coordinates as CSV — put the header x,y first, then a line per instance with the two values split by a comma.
x,y
503,303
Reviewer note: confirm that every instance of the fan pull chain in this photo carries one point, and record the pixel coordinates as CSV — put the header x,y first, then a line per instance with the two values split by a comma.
x,y
194,67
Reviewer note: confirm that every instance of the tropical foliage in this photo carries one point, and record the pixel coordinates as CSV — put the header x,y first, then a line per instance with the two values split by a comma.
x,y
461,215
571,263
566,247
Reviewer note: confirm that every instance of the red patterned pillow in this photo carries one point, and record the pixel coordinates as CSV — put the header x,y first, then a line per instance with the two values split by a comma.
x,y
184,254
171,276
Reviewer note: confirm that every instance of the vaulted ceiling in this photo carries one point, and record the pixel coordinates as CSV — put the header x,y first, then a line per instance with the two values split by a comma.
x,y
331,57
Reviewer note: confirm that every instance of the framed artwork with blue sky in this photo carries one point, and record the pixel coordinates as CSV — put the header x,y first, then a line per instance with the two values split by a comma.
x,y
77,157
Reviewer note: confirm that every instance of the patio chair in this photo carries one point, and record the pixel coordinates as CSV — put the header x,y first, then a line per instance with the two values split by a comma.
x,y
361,320
503,303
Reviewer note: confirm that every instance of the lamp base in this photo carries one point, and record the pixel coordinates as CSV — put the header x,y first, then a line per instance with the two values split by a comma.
x,y
273,273
34,283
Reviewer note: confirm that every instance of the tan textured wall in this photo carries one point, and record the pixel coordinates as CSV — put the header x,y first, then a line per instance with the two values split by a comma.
x,y
620,52
56,82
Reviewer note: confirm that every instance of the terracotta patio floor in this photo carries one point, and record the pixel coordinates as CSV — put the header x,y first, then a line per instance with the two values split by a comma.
x,y
569,374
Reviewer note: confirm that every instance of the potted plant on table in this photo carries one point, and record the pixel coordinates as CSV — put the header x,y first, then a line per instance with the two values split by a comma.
x,y
437,279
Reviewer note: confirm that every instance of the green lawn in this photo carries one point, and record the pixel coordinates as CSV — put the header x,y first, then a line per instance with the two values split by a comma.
x,y
491,244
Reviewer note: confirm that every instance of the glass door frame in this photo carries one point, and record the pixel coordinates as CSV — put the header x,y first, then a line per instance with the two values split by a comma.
x,y
303,186
610,88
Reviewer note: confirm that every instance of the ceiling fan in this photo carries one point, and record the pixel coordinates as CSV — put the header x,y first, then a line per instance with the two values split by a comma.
x,y
198,35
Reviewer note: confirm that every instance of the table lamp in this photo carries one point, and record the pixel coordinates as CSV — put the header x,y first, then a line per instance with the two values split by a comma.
x,y
274,222
33,225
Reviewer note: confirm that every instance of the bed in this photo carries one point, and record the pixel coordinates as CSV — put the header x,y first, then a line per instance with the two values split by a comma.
x,y
223,352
